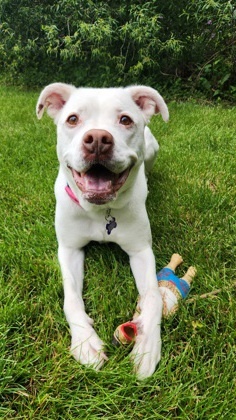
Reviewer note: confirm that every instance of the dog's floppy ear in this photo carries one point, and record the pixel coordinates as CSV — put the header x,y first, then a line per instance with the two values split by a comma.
x,y
53,98
149,101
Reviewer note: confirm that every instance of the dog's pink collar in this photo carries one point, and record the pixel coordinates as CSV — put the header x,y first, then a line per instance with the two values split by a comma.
x,y
72,195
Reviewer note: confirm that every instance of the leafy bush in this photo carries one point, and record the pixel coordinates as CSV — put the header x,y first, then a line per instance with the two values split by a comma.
x,y
180,44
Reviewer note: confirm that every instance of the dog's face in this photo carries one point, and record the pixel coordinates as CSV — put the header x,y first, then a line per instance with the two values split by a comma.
x,y
100,135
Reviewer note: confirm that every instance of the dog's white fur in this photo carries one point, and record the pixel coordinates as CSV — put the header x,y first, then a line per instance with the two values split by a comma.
x,y
76,225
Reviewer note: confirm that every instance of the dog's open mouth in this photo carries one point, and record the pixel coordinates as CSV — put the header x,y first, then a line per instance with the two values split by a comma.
x,y
98,184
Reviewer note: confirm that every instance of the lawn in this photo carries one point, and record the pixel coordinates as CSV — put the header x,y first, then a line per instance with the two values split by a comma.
x,y
192,209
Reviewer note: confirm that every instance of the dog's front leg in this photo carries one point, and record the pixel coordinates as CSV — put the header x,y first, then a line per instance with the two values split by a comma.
x,y
86,346
147,350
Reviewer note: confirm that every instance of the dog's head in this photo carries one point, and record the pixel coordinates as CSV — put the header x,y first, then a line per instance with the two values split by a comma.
x,y
100,134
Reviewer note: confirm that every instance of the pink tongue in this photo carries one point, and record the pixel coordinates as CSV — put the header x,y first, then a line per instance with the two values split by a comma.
x,y
96,180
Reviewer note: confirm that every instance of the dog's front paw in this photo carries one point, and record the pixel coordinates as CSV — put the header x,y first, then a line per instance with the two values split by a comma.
x,y
88,349
146,353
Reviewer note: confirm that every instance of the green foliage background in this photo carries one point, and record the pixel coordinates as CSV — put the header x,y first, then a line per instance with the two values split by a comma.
x,y
185,44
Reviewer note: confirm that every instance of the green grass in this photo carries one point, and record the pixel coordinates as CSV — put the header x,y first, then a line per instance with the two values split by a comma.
x,y
192,210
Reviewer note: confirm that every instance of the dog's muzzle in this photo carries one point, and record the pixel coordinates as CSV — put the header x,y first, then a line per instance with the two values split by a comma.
x,y
98,184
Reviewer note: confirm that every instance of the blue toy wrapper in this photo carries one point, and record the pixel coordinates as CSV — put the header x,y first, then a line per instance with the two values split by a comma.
x,y
166,274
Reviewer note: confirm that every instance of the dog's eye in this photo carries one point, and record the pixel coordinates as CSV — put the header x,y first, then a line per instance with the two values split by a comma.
x,y
72,120
125,120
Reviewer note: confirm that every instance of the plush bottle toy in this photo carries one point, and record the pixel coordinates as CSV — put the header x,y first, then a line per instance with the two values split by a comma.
x,y
172,289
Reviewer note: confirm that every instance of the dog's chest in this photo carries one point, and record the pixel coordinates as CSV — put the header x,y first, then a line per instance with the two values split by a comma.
x,y
101,227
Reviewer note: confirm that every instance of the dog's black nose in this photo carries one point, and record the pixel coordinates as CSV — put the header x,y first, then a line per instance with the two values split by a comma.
x,y
97,144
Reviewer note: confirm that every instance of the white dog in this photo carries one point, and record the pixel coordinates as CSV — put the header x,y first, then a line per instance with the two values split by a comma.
x,y
104,149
